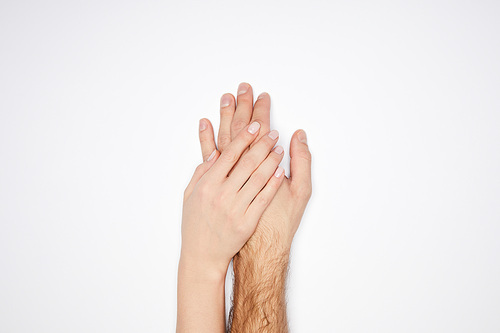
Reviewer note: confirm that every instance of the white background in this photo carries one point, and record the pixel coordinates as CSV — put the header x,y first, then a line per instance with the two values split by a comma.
x,y
99,109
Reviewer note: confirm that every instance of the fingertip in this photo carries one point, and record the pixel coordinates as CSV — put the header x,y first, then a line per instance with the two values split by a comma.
x,y
243,87
279,172
300,159
254,127
279,150
226,100
213,156
263,95
204,124
301,136
298,143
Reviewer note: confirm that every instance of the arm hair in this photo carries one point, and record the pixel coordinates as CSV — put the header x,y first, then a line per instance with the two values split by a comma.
x,y
259,302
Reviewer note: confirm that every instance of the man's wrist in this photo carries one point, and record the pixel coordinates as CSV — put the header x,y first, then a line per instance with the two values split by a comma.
x,y
259,303
263,255
267,243
261,262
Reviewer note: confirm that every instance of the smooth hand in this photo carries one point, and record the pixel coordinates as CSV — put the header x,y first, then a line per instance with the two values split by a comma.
x,y
227,196
222,205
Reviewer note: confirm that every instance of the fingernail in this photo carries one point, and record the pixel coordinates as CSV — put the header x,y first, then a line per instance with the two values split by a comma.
x,y
261,96
211,155
279,172
278,150
273,134
302,137
254,127
203,125
242,88
225,100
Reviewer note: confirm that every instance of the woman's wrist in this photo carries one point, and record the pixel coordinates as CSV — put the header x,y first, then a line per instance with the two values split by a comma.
x,y
201,271
200,297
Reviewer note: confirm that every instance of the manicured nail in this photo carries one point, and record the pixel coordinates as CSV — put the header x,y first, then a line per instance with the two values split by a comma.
x,y
211,155
302,137
203,125
273,134
242,88
278,150
279,172
254,127
261,96
225,100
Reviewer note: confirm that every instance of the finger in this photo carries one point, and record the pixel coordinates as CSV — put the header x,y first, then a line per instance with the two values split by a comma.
x,y
251,161
262,111
227,106
244,107
264,198
232,153
260,177
300,164
207,141
200,171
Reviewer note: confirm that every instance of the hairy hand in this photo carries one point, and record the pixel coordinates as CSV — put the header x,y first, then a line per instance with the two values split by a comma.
x,y
221,210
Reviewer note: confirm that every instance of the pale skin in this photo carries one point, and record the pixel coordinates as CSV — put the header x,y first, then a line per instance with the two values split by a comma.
x,y
264,254
220,213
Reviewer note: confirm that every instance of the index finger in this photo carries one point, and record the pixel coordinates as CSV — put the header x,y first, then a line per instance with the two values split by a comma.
x,y
233,152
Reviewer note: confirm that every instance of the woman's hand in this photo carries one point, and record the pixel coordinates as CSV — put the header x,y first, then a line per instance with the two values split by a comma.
x,y
281,219
226,198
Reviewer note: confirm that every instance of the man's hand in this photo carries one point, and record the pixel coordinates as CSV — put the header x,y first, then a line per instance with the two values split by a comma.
x,y
260,266
285,211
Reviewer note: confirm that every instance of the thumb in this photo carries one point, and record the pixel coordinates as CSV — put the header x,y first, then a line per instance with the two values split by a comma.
x,y
200,171
300,164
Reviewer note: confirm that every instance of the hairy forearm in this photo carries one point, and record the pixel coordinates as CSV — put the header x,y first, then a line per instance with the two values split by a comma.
x,y
259,303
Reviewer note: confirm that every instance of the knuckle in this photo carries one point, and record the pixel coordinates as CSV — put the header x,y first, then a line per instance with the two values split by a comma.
x,y
263,146
220,199
203,190
238,125
258,179
226,110
245,99
259,152
304,154
247,163
224,140
233,214
265,141
230,156
304,192
205,138
200,169
262,122
274,184
240,227
276,157
263,200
